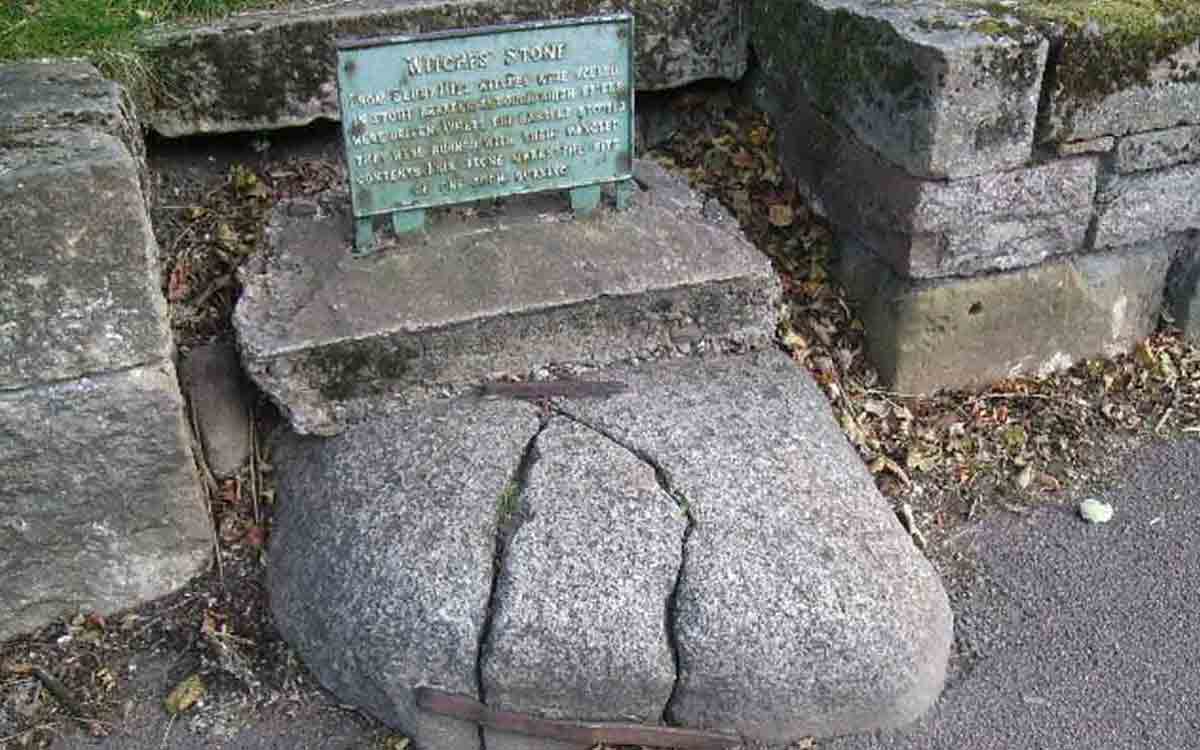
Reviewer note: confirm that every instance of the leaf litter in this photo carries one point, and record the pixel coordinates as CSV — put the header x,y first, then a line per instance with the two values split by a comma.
x,y
941,459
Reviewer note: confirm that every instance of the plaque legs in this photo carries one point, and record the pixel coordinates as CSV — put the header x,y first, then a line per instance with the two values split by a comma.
x,y
584,200
364,235
404,222
625,190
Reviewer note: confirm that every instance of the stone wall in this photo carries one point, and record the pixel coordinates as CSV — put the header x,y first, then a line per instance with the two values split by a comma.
x,y
1011,192
275,68
99,502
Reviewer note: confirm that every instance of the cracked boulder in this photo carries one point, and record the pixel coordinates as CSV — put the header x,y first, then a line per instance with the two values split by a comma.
x,y
703,549
802,608
382,552
580,623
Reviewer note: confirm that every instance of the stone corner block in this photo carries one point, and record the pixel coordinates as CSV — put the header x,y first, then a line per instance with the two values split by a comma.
x,y
1110,80
478,296
99,500
1148,206
1183,286
926,85
69,95
935,228
968,332
79,290
275,69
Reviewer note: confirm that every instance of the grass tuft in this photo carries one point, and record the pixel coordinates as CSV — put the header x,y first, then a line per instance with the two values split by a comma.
x,y
101,30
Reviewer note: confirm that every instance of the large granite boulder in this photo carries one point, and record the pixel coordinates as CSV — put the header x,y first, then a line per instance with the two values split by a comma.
x,y
275,68
704,549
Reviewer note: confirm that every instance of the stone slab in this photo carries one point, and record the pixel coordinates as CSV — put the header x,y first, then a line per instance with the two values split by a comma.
x,y
275,69
1147,206
916,82
932,228
1183,286
803,607
489,292
956,333
38,95
99,504
1157,150
381,555
221,401
79,288
1110,83
580,628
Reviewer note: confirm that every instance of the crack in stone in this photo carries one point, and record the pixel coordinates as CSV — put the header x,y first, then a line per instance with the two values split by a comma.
x,y
663,477
510,514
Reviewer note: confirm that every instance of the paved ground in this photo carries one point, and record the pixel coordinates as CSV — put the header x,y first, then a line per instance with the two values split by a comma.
x,y
1082,636
1077,636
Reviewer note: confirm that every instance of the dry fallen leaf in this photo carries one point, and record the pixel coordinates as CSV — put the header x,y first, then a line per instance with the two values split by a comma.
x,y
185,695
781,215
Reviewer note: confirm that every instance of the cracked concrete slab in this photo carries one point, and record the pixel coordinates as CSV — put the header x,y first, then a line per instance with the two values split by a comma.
x,y
580,625
488,291
803,608
381,557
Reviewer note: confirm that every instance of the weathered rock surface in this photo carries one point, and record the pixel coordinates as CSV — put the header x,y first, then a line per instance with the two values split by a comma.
x,y
275,69
916,82
802,608
484,293
1148,205
69,95
928,228
221,401
99,505
790,603
1183,286
580,627
78,281
1156,150
100,508
381,557
1111,80
922,336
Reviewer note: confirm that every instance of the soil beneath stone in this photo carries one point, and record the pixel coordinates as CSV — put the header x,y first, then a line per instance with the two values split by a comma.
x,y
943,461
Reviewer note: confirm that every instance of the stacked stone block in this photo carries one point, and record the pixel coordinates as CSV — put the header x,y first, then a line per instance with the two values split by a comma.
x,y
999,212
99,502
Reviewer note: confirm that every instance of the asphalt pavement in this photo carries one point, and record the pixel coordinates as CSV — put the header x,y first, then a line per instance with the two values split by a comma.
x,y
1078,636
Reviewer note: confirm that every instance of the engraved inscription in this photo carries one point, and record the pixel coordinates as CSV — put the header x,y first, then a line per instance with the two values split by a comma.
x,y
435,121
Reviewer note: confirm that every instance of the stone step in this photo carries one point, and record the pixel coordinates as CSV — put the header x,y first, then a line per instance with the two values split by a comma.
x,y
275,68
487,292
101,506
938,228
920,83
971,332
704,549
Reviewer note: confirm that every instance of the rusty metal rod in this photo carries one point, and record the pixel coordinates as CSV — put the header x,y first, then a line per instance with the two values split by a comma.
x,y
576,732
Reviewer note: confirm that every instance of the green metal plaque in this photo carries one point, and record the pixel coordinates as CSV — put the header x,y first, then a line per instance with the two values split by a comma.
x,y
435,119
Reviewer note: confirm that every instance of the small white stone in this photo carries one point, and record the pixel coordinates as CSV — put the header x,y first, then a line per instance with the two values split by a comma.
x,y
1095,511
